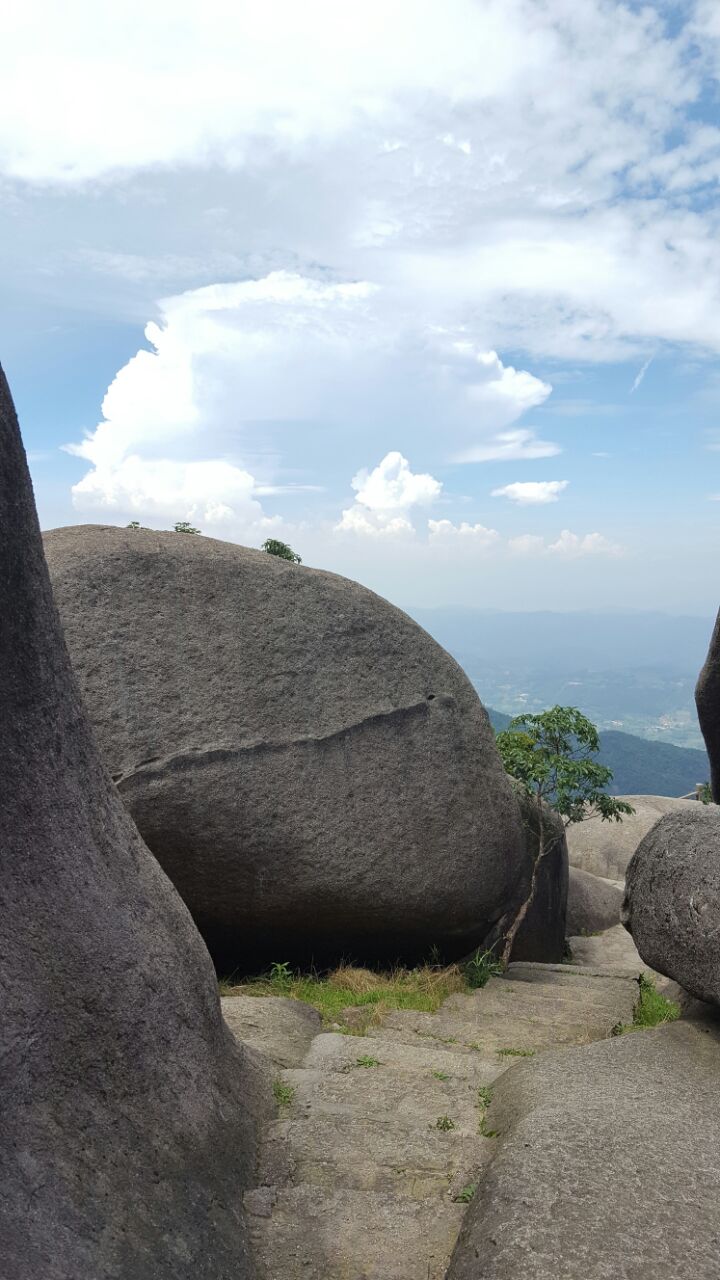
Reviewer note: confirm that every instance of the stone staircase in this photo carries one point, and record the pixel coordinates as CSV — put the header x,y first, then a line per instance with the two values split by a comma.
x,y
380,1139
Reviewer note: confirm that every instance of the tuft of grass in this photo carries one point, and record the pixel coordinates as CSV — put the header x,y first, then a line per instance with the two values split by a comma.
x,y
444,1124
651,1009
423,989
484,1098
367,1061
283,1093
467,1193
441,1075
516,1053
484,1095
482,966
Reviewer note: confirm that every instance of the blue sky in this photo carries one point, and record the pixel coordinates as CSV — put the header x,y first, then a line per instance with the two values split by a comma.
x,y
430,291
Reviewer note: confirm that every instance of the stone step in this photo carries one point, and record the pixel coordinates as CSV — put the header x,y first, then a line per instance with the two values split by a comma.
x,y
372,1153
333,1051
408,1097
313,1234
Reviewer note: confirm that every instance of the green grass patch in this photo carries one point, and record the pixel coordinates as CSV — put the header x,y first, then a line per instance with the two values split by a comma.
x,y
367,1061
283,1093
440,1075
481,967
423,989
651,1009
467,1193
444,1124
516,1053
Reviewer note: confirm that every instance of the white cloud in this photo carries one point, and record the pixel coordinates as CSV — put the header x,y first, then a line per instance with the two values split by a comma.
x,y
519,445
590,544
531,492
475,534
640,375
385,495
569,545
233,366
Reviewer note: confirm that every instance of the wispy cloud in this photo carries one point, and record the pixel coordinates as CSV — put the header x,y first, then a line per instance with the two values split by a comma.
x,y
639,377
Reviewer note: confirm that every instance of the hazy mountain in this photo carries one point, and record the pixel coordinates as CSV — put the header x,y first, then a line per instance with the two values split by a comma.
x,y
633,672
640,767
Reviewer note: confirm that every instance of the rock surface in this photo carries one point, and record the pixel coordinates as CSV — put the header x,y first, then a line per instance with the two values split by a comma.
x,y
606,1164
593,903
367,1169
314,773
541,935
707,700
126,1137
605,848
672,899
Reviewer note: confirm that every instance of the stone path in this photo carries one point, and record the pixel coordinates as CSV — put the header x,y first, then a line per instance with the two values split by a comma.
x,y
380,1139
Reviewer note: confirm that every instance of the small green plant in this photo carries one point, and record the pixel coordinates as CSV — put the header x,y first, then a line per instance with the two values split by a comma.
x,y
516,1053
367,1061
275,547
134,524
484,1096
467,1193
441,1075
705,793
283,1093
482,966
183,526
651,1009
444,1124
281,973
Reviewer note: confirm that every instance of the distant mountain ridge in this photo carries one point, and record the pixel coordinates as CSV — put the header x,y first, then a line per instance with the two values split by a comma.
x,y
641,767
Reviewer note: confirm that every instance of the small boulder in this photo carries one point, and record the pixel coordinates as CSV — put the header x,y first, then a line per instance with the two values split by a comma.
x,y
672,899
593,903
605,848
707,700
314,773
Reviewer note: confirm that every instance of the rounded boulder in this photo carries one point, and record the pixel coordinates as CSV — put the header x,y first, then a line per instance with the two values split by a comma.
x,y
315,774
672,899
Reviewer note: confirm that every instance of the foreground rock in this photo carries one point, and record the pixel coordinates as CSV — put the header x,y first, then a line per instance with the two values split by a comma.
x,y
126,1137
606,1164
707,700
380,1139
672,899
593,903
315,774
605,848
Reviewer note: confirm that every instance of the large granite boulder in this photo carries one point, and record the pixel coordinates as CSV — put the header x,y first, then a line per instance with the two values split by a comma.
x,y
672,899
605,848
593,903
606,1164
314,773
126,1135
707,700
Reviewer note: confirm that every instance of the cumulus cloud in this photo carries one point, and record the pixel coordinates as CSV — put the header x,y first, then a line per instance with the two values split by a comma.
x,y
569,545
252,366
384,496
531,492
476,535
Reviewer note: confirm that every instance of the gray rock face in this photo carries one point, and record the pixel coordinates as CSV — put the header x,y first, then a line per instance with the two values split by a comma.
x,y
672,899
707,699
593,903
541,936
314,773
606,1165
605,848
126,1137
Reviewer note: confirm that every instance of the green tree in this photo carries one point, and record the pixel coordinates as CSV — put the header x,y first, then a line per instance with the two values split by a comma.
x,y
183,526
274,547
134,524
551,757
